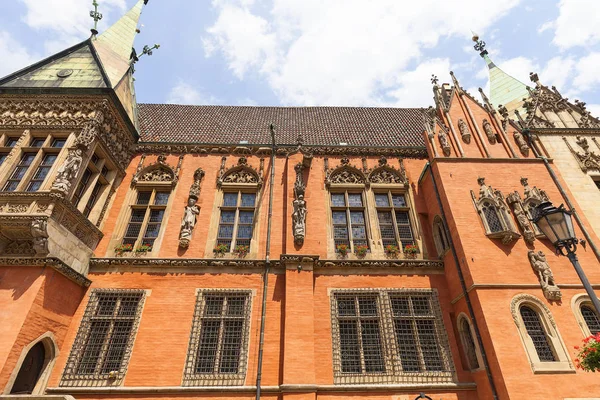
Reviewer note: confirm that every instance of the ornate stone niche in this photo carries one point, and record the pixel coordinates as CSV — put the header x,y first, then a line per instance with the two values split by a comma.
x,y
489,131
514,200
242,173
344,174
444,143
157,173
494,213
588,159
521,142
299,207
188,222
533,197
387,174
542,268
465,132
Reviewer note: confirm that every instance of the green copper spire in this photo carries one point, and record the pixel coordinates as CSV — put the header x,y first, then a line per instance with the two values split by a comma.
x,y
121,35
504,89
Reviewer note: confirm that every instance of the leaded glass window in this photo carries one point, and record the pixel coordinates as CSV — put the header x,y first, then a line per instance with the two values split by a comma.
x,y
348,216
236,222
146,217
591,319
394,220
468,343
537,333
491,216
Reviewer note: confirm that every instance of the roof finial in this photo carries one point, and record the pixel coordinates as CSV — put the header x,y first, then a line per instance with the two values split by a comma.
x,y
96,16
479,45
434,79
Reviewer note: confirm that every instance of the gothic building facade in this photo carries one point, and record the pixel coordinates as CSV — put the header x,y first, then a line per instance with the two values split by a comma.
x,y
156,251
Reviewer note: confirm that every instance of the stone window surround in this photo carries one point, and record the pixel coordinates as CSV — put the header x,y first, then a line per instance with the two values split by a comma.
x,y
191,379
75,381
389,359
372,225
51,353
213,228
438,223
22,146
463,317
564,364
576,302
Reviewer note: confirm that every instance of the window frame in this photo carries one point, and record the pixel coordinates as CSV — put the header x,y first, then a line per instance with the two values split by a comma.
x,y
469,348
149,207
193,378
392,362
347,208
393,210
440,239
578,301
236,222
72,376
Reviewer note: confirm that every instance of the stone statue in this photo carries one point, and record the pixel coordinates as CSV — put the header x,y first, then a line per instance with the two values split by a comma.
x,y
542,268
39,233
299,219
465,133
444,143
528,233
520,140
188,222
68,171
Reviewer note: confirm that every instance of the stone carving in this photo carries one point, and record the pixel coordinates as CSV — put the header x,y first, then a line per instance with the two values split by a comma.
x,y
15,208
40,236
494,214
385,174
346,175
489,131
444,143
67,172
533,193
521,298
542,268
465,133
514,200
241,173
588,160
191,211
158,171
19,248
521,142
299,205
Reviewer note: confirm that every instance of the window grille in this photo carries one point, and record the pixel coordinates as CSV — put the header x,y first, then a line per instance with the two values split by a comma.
x,y
394,220
146,217
349,223
236,222
389,336
102,348
491,216
591,319
217,352
539,337
468,344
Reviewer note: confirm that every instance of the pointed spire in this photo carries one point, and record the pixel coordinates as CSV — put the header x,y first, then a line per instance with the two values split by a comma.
x,y
121,35
504,89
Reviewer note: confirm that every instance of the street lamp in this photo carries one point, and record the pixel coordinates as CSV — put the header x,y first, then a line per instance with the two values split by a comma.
x,y
423,396
557,225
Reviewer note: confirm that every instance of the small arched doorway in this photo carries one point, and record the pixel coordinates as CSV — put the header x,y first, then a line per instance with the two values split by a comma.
x,y
30,370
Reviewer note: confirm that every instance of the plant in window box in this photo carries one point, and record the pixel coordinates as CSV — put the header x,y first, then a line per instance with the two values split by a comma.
x,y
588,358
241,250
361,250
143,249
123,248
391,250
411,251
342,249
220,250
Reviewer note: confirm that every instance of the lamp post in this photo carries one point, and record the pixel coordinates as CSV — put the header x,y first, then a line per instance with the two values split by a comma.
x,y
423,396
557,225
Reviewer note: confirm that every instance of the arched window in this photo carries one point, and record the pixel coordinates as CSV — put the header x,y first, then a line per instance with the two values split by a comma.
x,y
494,213
491,216
539,334
439,236
469,346
586,315
33,368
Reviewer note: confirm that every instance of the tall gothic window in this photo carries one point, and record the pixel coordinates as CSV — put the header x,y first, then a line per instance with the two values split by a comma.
x,y
105,338
469,346
217,352
439,236
146,217
391,336
393,218
591,318
349,223
236,222
492,217
92,184
538,335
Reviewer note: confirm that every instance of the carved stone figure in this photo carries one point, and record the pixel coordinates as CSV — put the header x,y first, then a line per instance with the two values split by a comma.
x,y
299,205
542,268
465,133
188,222
522,143
514,200
444,143
40,237
489,131
67,172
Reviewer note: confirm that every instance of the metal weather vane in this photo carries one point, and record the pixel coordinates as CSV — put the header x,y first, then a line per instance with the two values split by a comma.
x,y
96,17
479,44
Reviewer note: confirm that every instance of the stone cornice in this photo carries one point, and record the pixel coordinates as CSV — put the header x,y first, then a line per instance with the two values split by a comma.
x,y
51,262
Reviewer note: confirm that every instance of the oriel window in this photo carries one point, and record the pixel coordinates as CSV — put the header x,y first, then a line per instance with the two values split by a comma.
x,y
236,222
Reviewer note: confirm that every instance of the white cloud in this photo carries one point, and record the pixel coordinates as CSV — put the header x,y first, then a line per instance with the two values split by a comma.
x,y
594,109
13,54
578,24
519,68
557,72
185,93
587,72
413,88
342,52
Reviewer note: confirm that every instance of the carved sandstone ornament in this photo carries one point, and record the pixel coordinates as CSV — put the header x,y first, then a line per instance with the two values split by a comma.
x,y
67,173
588,160
299,207
489,131
157,172
494,214
344,174
444,143
465,133
542,268
191,211
241,173
521,142
39,234
514,200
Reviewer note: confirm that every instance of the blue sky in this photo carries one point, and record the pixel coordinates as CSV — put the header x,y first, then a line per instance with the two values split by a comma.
x,y
324,52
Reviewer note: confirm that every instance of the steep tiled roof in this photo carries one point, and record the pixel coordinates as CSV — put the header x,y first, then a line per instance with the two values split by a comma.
x,y
356,126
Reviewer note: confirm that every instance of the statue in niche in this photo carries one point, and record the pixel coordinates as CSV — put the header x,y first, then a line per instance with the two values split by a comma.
x,y
489,131
520,140
188,222
299,205
514,200
465,133
444,143
68,171
542,268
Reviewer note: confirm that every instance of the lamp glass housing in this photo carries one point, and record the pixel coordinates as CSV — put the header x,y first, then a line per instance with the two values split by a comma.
x,y
555,223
